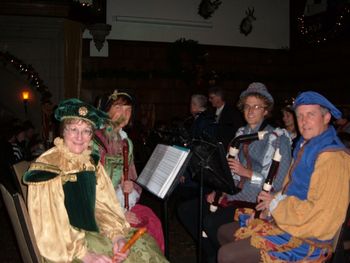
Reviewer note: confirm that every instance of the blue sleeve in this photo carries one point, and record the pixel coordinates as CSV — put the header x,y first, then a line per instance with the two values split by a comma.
x,y
286,153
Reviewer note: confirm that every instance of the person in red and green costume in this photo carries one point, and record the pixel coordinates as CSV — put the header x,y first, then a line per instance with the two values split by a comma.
x,y
116,151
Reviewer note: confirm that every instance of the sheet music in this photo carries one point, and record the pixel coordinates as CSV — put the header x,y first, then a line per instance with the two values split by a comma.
x,y
162,169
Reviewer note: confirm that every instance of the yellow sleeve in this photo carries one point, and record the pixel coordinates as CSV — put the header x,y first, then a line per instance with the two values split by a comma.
x,y
109,214
57,240
321,215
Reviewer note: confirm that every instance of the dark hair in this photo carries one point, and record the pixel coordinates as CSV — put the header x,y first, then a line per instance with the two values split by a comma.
x,y
17,129
121,100
28,125
218,91
106,102
345,138
345,112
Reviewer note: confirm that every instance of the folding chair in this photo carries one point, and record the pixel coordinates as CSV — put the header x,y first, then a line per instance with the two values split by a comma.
x,y
341,242
22,226
19,169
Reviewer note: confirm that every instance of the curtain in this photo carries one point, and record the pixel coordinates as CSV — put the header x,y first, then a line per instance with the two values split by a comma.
x,y
72,58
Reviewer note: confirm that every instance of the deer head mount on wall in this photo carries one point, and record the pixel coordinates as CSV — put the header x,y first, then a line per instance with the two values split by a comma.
x,y
207,8
246,25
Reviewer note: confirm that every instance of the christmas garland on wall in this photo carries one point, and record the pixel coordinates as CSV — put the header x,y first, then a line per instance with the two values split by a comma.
x,y
31,76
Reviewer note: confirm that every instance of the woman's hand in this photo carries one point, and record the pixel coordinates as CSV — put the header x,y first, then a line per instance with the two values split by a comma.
x,y
127,186
91,257
117,246
132,218
238,168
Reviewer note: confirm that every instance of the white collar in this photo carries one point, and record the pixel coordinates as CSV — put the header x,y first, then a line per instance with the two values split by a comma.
x,y
219,110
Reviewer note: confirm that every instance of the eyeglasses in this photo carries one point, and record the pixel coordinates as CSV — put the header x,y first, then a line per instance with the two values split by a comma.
x,y
247,107
75,132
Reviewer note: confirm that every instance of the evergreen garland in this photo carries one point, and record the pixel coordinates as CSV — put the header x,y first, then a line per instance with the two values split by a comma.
x,y
31,76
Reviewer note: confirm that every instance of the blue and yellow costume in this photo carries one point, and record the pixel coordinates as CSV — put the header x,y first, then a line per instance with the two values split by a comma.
x,y
312,207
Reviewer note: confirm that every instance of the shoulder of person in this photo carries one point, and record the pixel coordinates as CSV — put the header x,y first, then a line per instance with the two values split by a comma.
x,y
99,138
207,114
40,172
335,156
123,134
229,107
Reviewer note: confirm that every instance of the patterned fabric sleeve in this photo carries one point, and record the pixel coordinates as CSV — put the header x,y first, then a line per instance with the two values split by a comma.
x,y
285,151
261,154
284,144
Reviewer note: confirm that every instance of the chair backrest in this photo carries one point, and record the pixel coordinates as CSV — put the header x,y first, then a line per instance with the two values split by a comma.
x,y
19,170
22,226
340,244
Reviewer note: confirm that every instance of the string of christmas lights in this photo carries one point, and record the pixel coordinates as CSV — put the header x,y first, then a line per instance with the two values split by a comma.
x,y
32,76
84,3
314,33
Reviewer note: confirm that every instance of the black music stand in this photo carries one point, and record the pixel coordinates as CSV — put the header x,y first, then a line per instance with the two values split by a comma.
x,y
209,166
165,200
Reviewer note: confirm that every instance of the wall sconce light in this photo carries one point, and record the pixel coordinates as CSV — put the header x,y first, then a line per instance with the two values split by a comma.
x,y
25,98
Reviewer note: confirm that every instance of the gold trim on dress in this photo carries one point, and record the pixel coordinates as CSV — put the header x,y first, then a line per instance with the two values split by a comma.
x,y
44,167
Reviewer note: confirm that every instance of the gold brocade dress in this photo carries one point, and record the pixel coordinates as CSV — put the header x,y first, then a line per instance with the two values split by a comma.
x,y
73,209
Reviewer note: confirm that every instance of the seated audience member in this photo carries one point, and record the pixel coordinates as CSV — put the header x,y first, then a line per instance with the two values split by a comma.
x,y
251,169
117,157
71,200
298,223
17,141
202,127
11,151
228,118
345,138
203,120
343,124
28,137
290,123
35,147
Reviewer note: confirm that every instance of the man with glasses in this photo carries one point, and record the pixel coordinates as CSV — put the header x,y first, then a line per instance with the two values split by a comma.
x,y
251,168
301,221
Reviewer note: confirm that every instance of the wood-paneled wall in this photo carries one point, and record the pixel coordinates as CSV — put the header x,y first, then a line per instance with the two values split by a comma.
x,y
141,67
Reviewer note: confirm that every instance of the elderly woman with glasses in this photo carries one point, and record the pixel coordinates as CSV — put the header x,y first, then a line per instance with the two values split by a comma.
x,y
74,211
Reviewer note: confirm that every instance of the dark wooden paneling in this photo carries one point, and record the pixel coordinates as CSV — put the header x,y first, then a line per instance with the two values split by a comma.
x,y
286,73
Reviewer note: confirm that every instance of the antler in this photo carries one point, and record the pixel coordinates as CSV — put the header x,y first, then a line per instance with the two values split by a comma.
x,y
250,12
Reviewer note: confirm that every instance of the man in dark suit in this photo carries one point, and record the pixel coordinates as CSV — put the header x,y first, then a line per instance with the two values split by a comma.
x,y
228,118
